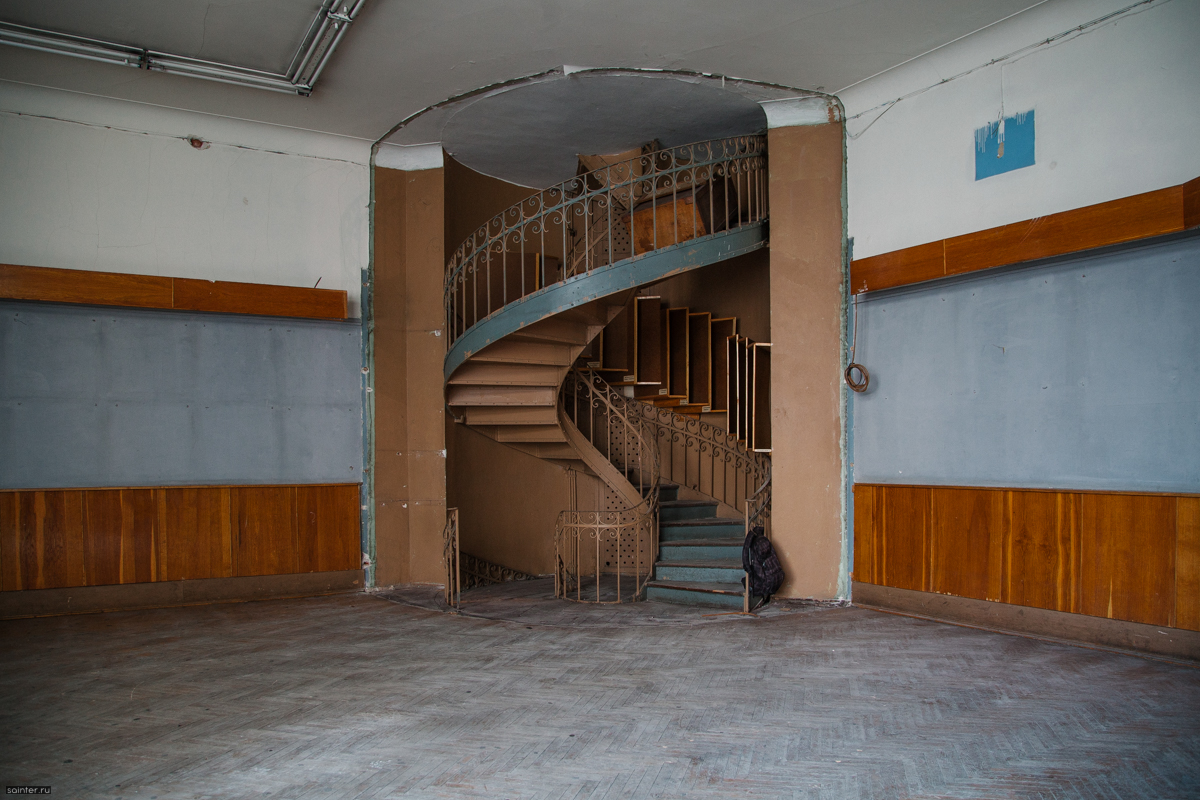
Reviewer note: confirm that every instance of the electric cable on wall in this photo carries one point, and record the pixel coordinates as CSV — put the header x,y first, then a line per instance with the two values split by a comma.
x,y
863,379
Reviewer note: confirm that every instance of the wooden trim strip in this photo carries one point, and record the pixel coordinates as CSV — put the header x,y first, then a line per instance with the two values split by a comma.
x,y
1140,216
179,486
51,285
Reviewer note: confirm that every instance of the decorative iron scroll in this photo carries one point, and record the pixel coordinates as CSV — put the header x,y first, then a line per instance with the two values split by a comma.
x,y
608,556
451,558
480,572
702,456
620,211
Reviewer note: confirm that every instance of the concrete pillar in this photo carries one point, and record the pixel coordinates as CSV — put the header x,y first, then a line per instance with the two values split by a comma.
x,y
805,149
409,458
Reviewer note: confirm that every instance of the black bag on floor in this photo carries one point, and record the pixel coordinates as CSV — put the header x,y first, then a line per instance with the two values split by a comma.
x,y
761,564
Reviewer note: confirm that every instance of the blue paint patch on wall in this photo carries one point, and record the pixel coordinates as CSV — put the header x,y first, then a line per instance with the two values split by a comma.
x,y
1004,146
132,397
1079,374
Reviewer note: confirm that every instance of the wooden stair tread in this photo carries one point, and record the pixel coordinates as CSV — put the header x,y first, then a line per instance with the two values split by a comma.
x,y
697,586
701,543
705,522
716,563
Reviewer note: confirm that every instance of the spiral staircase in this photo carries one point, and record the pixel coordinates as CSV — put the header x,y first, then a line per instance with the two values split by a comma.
x,y
527,298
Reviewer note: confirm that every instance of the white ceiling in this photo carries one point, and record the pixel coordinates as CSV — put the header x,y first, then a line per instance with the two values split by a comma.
x,y
403,55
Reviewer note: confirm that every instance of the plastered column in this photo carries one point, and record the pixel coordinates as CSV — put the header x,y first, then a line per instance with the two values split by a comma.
x,y
805,151
408,350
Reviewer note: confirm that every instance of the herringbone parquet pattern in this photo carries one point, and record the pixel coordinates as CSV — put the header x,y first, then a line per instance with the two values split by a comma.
x,y
353,696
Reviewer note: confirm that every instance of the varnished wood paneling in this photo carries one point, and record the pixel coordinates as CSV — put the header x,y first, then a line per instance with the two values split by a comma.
x,y
1124,220
1140,216
967,532
1127,556
266,541
1191,203
139,528
1127,550
905,521
10,541
1043,550
1187,563
84,286
102,537
328,528
60,534
97,537
866,534
152,291
899,267
256,298
195,533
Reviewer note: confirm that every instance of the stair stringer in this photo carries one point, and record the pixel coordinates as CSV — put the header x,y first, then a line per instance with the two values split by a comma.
x,y
599,464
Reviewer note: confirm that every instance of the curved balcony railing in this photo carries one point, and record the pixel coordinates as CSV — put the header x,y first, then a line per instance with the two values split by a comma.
x,y
625,210
608,556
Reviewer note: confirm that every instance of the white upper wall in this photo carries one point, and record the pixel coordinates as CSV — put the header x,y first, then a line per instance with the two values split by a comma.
x,y
109,185
1118,113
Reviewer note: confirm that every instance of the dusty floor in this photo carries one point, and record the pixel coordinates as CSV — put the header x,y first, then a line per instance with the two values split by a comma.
x,y
521,696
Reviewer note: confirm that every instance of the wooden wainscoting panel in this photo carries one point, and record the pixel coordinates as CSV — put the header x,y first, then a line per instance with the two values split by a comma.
x,y
102,545
1043,550
265,535
84,286
328,522
899,267
1127,549
194,533
904,559
967,542
10,573
60,540
866,533
1187,563
139,530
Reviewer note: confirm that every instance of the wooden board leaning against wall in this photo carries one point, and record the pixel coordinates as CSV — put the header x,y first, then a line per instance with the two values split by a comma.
x,y
58,538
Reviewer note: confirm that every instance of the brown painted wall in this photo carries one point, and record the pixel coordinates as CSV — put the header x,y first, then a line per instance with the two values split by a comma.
x,y
740,287
472,199
507,501
409,408
807,308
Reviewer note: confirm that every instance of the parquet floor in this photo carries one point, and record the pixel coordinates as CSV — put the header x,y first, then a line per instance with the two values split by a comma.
x,y
356,696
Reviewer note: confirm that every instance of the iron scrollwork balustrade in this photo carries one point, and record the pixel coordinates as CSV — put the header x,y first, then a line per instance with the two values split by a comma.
x,y
704,457
614,549
451,557
596,219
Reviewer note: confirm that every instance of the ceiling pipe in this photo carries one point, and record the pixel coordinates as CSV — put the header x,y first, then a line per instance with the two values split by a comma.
x,y
318,45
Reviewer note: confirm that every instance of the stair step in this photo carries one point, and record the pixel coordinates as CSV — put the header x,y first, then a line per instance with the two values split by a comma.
x,y
678,510
722,595
710,528
502,396
548,450
512,415
718,570
562,331
484,374
692,550
529,433
518,352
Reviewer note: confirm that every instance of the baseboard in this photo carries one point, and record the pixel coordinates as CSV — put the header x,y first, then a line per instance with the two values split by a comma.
x,y
1174,643
165,594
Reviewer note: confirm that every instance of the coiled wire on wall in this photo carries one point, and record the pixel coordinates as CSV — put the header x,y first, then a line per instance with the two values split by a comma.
x,y
863,379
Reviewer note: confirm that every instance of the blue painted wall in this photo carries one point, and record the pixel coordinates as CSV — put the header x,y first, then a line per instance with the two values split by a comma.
x,y
119,397
1082,374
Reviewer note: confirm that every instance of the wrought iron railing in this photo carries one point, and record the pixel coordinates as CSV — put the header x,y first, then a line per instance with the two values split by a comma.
x,y
620,211
451,558
607,556
704,457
